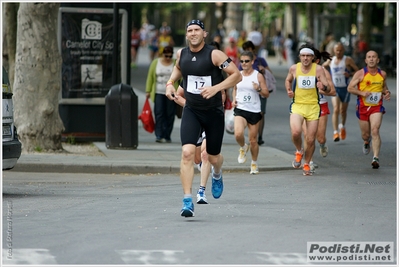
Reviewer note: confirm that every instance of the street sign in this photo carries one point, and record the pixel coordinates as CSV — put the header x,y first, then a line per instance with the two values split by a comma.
x,y
86,43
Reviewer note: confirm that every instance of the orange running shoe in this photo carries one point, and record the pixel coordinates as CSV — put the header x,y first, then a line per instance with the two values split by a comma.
x,y
342,133
336,137
297,163
306,169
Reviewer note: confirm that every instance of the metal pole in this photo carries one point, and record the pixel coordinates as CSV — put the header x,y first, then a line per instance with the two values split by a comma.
x,y
115,54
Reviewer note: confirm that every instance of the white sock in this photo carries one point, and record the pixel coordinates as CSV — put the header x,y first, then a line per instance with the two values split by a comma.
x,y
217,175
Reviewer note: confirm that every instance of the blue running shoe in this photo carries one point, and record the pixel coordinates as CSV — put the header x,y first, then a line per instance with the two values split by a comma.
x,y
217,185
188,208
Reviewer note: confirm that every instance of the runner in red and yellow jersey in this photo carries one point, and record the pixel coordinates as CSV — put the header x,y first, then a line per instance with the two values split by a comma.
x,y
370,87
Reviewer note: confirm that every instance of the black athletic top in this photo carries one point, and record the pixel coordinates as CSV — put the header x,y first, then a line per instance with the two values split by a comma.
x,y
198,70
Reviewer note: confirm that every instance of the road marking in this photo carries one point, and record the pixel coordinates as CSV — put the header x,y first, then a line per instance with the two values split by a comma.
x,y
151,256
281,258
43,256
28,256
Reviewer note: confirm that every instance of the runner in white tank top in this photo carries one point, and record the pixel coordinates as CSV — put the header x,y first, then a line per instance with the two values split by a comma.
x,y
247,109
247,98
342,68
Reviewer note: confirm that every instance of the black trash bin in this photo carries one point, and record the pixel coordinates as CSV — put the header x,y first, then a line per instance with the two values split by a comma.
x,y
121,117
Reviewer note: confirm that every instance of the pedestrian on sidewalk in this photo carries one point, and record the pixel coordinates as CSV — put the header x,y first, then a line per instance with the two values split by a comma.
x,y
369,84
289,50
135,41
241,40
232,51
256,37
342,68
199,65
278,42
153,44
247,109
309,81
165,39
328,43
164,110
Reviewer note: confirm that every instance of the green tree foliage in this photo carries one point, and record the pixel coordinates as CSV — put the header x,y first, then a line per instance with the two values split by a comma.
x,y
264,13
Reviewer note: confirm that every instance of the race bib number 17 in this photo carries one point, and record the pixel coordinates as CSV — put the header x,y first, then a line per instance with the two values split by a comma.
x,y
196,82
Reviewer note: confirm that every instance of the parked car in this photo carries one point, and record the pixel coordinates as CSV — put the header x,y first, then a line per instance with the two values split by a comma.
x,y
11,145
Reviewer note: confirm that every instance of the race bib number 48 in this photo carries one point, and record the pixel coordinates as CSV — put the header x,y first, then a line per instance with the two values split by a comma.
x,y
196,82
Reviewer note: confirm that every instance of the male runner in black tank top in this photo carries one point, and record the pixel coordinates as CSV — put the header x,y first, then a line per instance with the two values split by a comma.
x,y
199,65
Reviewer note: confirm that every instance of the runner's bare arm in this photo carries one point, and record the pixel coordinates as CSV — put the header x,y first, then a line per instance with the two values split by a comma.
x,y
220,59
289,80
356,79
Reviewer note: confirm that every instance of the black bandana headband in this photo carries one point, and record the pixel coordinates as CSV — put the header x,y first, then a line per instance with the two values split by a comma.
x,y
196,22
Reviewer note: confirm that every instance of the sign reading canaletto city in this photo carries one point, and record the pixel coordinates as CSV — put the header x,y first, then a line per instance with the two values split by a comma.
x,y
87,51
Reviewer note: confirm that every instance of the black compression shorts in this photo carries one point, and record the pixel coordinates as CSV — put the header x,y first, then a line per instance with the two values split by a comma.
x,y
211,121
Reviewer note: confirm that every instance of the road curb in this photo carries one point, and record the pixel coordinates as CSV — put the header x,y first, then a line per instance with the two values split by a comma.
x,y
123,169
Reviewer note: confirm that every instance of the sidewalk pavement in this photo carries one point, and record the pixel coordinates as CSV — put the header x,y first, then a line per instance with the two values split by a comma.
x,y
152,157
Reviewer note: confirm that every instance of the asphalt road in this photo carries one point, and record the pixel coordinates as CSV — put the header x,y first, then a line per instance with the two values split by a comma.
x,y
56,219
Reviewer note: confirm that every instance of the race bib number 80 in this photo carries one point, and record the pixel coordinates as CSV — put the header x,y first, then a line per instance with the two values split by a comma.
x,y
306,82
196,82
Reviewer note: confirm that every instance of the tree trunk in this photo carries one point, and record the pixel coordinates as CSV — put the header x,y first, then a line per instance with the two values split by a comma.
x,y
367,23
310,15
9,37
37,78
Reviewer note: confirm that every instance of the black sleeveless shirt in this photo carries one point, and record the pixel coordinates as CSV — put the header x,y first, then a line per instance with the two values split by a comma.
x,y
198,70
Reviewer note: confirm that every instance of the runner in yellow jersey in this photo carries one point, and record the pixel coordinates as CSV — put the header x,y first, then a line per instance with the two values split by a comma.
x,y
304,82
370,87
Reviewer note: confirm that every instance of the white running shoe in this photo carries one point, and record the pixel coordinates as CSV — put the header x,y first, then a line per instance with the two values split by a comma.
x,y
312,167
324,150
254,169
201,197
242,157
366,147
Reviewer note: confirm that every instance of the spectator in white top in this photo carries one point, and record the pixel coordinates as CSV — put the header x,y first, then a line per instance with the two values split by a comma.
x,y
165,28
256,38
289,53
